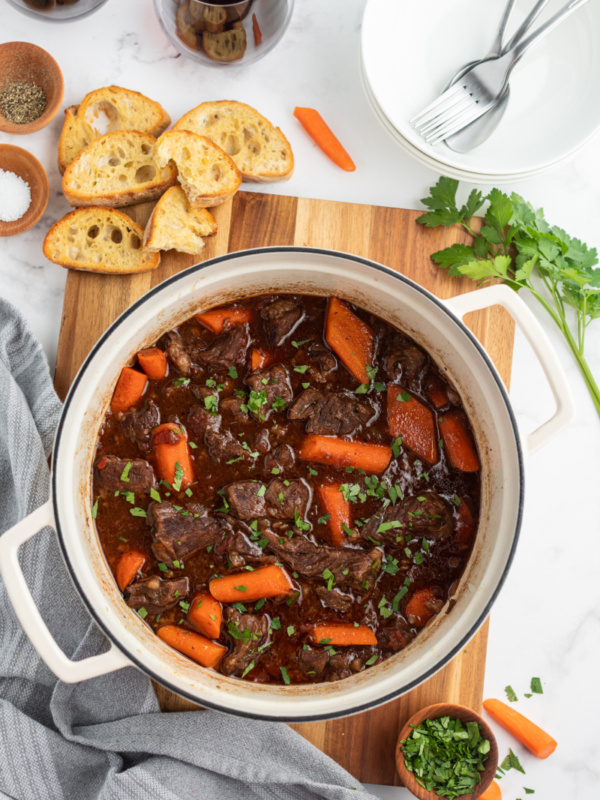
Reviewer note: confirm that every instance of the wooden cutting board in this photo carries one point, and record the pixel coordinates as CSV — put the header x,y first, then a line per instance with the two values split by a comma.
x,y
364,744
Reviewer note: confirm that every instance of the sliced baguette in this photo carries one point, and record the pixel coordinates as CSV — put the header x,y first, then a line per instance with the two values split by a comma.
x,y
260,151
176,225
118,169
186,26
225,46
111,108
206,173
207,18
99,240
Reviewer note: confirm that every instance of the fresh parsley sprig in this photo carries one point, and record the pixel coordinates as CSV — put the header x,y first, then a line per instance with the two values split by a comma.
x,y
514,244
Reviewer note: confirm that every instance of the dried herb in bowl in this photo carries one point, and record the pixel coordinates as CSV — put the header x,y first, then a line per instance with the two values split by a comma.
x,y
445,756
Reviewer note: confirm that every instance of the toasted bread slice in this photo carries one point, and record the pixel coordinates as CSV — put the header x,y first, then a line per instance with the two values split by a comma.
x,y
111,108
176,225
118,169
73,138
225,46
186,25
207,18
260,151
206,173
100,240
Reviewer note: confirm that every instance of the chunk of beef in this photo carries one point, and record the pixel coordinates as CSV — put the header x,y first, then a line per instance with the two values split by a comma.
x,y
200,421
263,445
429,516
281,458
222,446
404,363
334,599
233,407
227,349
275,383
155,593
395,636
113,475
177,353
239,546
249,633
284,501
349,567
167,436
330,413
321,362
138,424
350,659
202,391
176,537
281,317
312,662
249,500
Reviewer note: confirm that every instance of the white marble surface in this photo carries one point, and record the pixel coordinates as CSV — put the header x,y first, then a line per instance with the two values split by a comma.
x,y
547,619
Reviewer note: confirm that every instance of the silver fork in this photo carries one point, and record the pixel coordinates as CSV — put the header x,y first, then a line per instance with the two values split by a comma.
x,y
479,88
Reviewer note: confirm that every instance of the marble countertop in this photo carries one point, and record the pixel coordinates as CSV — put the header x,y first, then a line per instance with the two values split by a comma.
x,y
546,621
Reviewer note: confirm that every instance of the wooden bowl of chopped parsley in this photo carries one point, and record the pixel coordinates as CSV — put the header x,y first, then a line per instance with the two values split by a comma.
x,y
446,750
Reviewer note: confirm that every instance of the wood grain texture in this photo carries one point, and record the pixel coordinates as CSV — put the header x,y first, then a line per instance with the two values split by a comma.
x,y
365,743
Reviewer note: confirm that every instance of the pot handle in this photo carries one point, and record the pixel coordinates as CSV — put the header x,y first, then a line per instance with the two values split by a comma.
x,y
29,616
537,338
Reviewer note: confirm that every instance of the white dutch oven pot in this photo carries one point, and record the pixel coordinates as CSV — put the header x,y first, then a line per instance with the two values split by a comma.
x,y
437,327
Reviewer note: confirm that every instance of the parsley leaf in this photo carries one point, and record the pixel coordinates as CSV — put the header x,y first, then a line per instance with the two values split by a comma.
x,y
511,694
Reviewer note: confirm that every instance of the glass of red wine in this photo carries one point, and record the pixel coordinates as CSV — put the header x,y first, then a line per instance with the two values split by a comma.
x,y
224,33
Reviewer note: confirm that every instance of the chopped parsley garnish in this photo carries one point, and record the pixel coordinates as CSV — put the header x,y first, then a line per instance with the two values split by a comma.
x,y
403,397
511,694
445,756
330,578
137,512
276,624
372,660
456,500
155,495
248,668
396,444
234,460
142,612
125,474
95,509
240,607
312,472
185,606
261,492
511,762
181,381
240,588
193,445
322,520
302,369
536,686
278,403
362,389
284,675
162,566
178,476
305,385
259,604
232,372
299,344
211,403
290,630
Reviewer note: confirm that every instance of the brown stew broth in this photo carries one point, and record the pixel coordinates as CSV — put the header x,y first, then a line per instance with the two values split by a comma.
x,y
420,562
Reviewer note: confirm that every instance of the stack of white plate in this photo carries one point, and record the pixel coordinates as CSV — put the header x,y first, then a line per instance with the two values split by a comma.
x,y
409,50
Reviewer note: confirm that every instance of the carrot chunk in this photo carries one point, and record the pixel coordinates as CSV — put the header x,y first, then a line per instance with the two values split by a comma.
x,y
492,792
465,522
339,453
206,614
458,443
343,635
154,363
437,396
528,733
129,389
128,567
413,421
268,581
256,31
349,337
418,608
216,319
192,645
316,127
258,359
173,458
338,509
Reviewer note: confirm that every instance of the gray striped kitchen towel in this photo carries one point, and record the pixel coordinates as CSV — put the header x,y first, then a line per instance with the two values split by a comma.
x,y
106,738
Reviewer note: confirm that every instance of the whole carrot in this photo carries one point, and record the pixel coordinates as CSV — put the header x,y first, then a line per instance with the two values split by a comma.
x,y
316,127
192,645
527,732
339,453
268,581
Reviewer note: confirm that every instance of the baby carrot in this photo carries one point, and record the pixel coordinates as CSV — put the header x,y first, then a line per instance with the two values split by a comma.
x,y
206,614
349,337
128,567
130,387
316,127
528,733
492,792
338,510
216,318
154,363
343,635
173,459
268,581
339,453
192,645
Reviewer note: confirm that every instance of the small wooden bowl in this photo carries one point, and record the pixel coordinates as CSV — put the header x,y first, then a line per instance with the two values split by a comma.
x,y
23,62
15,159
465,715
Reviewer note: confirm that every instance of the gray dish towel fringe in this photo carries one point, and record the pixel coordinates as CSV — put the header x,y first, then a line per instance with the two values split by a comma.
x,y
106,738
